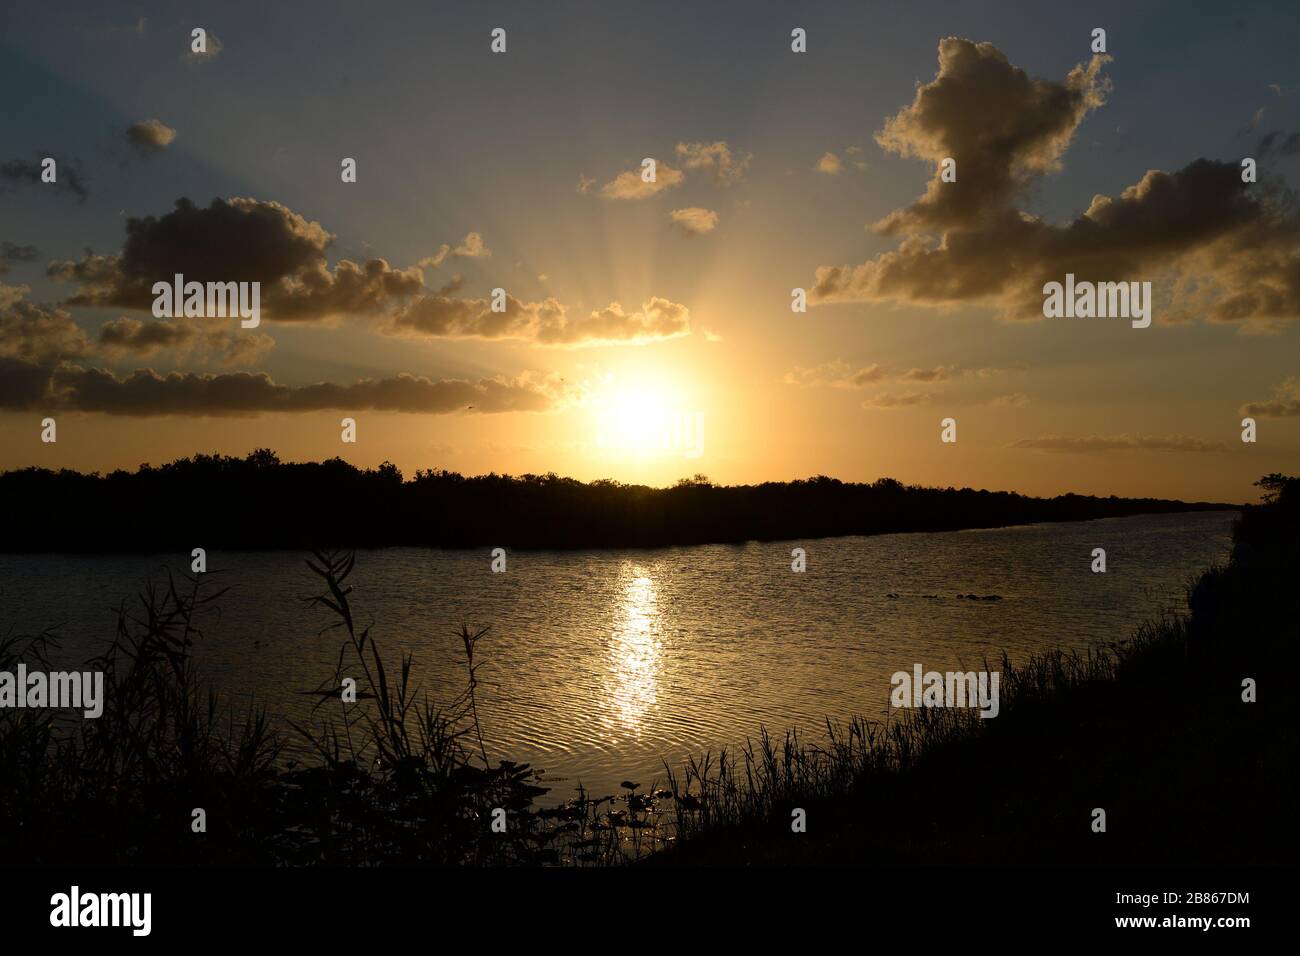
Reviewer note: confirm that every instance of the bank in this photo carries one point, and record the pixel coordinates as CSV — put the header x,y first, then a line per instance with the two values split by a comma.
x,y
1158,730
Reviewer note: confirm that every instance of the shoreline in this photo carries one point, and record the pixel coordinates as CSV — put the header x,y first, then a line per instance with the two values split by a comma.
x,y
1156,731
321,504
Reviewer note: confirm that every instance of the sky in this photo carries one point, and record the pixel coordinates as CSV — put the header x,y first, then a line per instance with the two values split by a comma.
x,y
648,331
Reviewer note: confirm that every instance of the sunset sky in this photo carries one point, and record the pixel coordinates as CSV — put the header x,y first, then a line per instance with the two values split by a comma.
x,y
633,305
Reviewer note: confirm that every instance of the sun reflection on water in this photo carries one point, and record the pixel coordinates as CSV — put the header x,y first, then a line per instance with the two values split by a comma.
x,y
634,660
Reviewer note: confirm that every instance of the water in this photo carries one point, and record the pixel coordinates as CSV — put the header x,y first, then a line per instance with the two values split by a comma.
x,y
600,664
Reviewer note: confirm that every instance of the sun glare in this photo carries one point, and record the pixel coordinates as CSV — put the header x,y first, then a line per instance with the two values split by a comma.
x,y
636,420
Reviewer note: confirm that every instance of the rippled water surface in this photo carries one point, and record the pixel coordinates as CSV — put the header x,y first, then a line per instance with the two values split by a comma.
x,y
599,664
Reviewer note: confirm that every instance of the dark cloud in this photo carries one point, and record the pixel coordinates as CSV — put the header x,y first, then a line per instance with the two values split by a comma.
x,y
444,315
11,252
543,323
23,384
198,339
351,288
37,333
1236,253
1003,128
237,240
145,338
1229,250
46,335
27,172
145,393
247,240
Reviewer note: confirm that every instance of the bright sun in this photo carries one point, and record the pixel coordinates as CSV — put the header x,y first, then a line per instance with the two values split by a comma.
x,y
636,420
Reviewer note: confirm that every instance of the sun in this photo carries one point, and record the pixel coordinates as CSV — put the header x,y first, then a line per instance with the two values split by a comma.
x,y
636,420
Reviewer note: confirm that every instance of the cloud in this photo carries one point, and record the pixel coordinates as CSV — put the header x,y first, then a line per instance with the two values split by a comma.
x,y
238,240
443,315
1284,402
585,183
134,337
471,247
1229,251
350,289
144,393
1109,443
1014,400
829,164
150,136
37,333
694,221
835,374
940,373
629,185
1003,128
27,172
229,240
190,338
657,319
727,167
542,323
12,252
898,399
23,384
839,374
46,335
